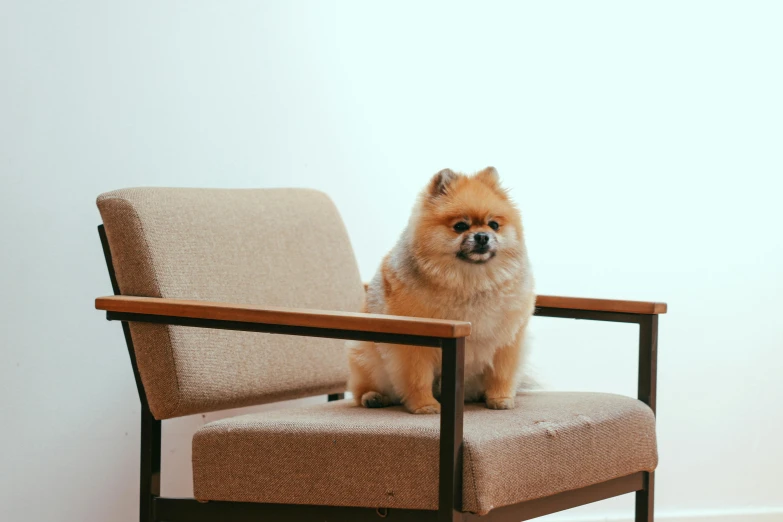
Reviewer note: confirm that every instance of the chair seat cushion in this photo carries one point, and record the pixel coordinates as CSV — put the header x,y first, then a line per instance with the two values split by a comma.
x,y
343,455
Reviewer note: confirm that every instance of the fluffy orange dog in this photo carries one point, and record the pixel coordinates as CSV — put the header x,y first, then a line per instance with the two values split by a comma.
x,y
462,257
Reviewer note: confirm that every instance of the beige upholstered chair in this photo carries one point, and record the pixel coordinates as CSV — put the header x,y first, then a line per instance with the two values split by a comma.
x,y
236,297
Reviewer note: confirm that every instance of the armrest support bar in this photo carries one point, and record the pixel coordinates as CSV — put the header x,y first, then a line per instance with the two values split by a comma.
x,y
648,361
645,314
452,402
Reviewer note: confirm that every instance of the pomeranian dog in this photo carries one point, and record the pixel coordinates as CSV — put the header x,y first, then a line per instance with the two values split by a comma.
x,y
461,257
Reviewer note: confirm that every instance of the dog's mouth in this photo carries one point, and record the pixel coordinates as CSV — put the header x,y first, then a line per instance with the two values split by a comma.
x,y
477,256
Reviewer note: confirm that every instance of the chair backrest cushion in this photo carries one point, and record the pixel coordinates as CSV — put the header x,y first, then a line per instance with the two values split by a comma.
x,y
274,247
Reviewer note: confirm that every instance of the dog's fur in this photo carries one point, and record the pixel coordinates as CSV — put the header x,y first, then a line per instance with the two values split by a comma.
x,y
438,271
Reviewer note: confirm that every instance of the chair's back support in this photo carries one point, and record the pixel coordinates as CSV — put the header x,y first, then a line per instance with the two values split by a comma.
x,y
275,247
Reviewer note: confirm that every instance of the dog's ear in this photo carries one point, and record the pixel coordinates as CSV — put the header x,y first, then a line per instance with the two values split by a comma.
x,y
489,176
440,182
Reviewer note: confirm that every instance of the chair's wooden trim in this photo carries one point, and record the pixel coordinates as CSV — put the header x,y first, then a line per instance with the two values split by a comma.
x,y
280,329
354,321
598,305
601,305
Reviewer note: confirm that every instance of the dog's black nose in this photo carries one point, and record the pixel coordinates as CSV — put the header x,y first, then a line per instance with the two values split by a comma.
x,y
481,238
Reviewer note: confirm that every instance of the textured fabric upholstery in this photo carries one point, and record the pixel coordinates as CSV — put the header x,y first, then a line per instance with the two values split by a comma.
x,y
340,454
279,247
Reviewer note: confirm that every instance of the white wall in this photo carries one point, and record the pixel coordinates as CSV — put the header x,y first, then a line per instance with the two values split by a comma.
x,y
642,141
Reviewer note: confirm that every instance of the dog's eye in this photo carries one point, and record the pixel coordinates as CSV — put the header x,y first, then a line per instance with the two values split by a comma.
x,y
494,225
461,227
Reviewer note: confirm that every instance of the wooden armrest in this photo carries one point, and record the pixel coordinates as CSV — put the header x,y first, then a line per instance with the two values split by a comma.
x,y
600,305
597,305
386,324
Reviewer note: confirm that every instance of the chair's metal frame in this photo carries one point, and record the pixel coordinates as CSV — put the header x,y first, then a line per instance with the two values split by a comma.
x,y
154,508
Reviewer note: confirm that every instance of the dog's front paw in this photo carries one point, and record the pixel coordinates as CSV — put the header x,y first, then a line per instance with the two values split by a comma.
x,y
424,408
374,399
500,403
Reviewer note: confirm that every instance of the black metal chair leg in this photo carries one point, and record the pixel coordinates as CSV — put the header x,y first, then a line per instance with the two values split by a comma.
x,y
452,402
645,505
149,469
648,376
149,478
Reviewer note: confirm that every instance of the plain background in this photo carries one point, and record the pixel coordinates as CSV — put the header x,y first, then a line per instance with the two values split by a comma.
x,y
642,141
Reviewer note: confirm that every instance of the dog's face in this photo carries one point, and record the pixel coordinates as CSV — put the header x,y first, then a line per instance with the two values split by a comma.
x,y
466,224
